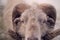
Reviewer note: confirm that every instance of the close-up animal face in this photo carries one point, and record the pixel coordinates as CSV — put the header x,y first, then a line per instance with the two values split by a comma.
x,y
32,23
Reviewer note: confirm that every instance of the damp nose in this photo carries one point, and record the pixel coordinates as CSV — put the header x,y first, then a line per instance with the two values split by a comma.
x,y
32,38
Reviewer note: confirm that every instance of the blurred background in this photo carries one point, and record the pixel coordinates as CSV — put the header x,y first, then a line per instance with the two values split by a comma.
x,y
55,3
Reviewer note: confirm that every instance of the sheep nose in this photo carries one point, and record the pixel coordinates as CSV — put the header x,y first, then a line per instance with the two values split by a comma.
x,y
32,38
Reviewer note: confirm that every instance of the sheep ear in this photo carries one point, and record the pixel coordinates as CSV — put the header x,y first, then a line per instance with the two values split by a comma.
x,y
49,10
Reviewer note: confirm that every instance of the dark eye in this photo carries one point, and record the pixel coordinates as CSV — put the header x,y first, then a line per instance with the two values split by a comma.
x,y
22,21
44,21
50,22
16,21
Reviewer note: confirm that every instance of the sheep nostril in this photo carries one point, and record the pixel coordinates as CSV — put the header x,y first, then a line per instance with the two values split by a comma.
x,y
32,38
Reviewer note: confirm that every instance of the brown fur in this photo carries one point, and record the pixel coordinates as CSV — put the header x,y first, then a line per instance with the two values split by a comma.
x,y
47,8
21,11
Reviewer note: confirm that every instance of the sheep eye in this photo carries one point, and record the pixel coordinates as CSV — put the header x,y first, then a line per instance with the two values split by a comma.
x,y
44,21
22,21
16,21
50,22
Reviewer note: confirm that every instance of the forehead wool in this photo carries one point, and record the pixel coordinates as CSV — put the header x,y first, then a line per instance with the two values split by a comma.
x,y
34,12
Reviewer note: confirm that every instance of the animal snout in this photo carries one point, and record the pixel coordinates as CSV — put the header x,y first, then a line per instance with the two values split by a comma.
x,y
30,38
